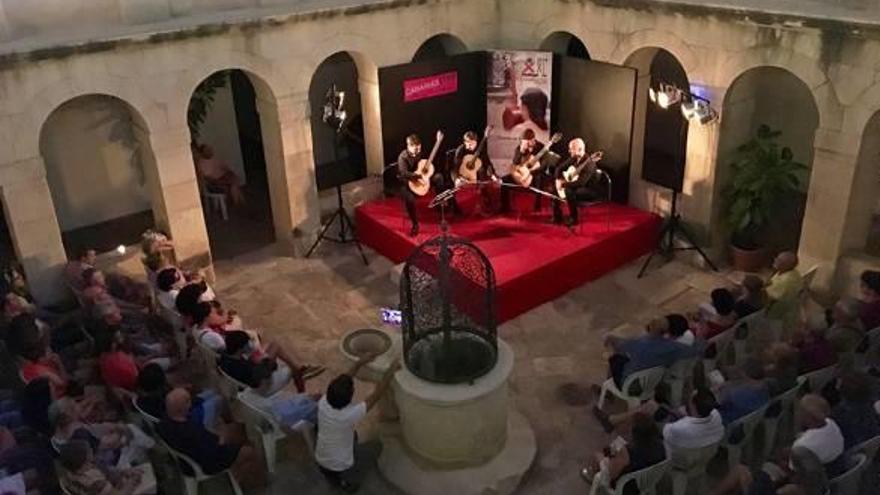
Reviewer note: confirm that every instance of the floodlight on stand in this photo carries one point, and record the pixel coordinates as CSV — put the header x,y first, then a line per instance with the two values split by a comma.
x,y
652,95
334,113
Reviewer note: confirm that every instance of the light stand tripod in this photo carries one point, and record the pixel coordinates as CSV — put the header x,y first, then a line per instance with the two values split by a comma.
x,y
666,241
346,228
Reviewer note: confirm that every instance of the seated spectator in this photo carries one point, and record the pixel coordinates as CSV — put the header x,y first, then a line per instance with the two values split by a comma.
x,y
652,349
169,281
807,478
115,444
702,426
846,332
259,369
285,407
73,271
118,365
37,362
337,418
869,314
213,452
854,413
217,175
752,298
781,368
821,435
188,299
211,323
679,329
35,401
28,456
720,318
814,350
742,396
784,287
621,458
208,406
82,476
158,253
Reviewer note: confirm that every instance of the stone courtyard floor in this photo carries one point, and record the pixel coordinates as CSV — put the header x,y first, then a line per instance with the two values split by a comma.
x,y
308,305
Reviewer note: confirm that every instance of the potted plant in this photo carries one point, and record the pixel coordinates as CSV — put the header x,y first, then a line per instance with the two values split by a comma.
x,y
763,174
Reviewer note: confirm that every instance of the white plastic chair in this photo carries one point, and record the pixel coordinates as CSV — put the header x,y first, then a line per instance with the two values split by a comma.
x,y
647,380
271,431
872,338
747,424
689,468
722,343
214,201
786,412
676,376
818,379
176,321
191,482
850,481
645,479
869,447
749,325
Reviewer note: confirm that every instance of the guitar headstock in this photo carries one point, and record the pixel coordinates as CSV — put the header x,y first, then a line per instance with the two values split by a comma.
x,y
597,155
439,136
556,138
488,130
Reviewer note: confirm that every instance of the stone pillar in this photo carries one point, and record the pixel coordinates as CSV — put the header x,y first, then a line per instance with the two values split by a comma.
x,y
177,206
30,216
368,85
822,235
5,30
294,188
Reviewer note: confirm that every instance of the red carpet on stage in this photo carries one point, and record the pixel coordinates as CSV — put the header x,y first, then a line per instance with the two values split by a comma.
x,y
534,260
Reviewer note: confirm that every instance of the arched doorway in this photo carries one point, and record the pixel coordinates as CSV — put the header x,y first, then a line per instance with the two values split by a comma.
x,y
777,98
565,44
439,46
337,145
96,152
227,134
659,146
862,231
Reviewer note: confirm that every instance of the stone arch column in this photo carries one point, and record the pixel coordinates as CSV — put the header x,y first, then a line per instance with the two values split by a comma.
x,y
371,111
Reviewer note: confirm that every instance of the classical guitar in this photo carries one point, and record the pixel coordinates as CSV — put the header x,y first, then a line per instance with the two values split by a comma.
x,y
522,173
422,184
573,173
471,162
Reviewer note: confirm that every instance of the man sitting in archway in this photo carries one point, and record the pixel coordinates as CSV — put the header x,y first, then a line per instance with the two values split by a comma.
x,y
217,174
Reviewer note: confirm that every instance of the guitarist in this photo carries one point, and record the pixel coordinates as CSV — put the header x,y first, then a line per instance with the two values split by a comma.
x,y
469,146
587,186
407,165
528,146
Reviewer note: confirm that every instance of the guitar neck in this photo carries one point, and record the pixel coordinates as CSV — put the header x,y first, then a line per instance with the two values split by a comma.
x,y
434,151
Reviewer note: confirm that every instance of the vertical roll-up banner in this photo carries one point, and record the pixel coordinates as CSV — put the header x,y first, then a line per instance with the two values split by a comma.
x,y
518,91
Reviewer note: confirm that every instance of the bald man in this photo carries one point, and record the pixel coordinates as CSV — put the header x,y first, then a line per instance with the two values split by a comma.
x,y
587,187
821,435
214,453
784,287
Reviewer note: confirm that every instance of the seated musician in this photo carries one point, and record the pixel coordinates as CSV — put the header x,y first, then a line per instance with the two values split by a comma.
x,y
528,146
470,147
587,186
407,168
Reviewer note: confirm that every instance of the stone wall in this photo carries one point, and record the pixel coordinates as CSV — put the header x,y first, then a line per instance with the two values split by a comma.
x,y
155,73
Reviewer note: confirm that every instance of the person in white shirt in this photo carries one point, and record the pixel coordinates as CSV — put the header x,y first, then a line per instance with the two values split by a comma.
x,y
210,323
337,419
169,281
701,428
821,434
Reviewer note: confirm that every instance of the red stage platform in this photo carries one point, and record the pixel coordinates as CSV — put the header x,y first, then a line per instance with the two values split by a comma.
x,y
534,260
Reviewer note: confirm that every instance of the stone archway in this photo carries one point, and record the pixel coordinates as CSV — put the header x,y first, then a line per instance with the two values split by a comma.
x,y
565,44
439,46
99,169
234,112
861,232
775,97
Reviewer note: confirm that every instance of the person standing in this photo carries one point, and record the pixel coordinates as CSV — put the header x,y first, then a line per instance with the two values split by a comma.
x,y
587,185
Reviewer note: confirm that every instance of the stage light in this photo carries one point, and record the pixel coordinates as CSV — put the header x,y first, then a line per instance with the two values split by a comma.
x,y
652,95
334,113
698,110
120,249
669,95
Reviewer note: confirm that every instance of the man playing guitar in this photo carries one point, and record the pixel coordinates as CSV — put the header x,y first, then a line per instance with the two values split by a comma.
x,y
576,178
408,170
528,146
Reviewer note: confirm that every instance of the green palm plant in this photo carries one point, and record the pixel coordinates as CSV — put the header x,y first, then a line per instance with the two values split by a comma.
x,y
764,173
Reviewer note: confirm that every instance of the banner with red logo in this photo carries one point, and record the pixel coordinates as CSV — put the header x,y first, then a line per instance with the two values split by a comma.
x,y
430,86
518,86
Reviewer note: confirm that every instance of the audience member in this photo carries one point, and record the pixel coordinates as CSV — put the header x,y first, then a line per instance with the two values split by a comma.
x,y
821,435
814,350
213,452
807,478
211,323
82,476
27,455
616,460
679,329
217,175
869,314
854,413
742,396
720,318
118,365
784,287
781,368
208,406
260,369
169,281
846,332
73,271
648,351
702,426
752,298
337,418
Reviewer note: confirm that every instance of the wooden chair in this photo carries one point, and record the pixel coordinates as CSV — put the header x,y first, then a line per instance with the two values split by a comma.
x,y
647,381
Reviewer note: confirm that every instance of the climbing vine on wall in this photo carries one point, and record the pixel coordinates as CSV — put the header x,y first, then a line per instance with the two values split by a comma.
x,y
202,100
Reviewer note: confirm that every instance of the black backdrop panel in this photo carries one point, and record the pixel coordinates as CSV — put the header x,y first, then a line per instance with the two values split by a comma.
x,y
665,129
596,101
454,113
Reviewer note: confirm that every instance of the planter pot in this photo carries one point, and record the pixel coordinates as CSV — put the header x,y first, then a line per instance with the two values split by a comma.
x,y
749,260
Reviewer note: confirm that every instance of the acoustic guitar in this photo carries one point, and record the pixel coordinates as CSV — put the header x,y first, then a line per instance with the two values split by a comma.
x,y
471,162
422,184
573,173
522,173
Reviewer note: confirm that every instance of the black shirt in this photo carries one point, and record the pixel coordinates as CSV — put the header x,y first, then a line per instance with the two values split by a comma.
x,y
519,157
194,440
407,165
487,169
586,175
240,369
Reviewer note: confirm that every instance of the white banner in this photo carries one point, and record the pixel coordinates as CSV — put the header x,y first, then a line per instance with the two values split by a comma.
x,y
518,87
